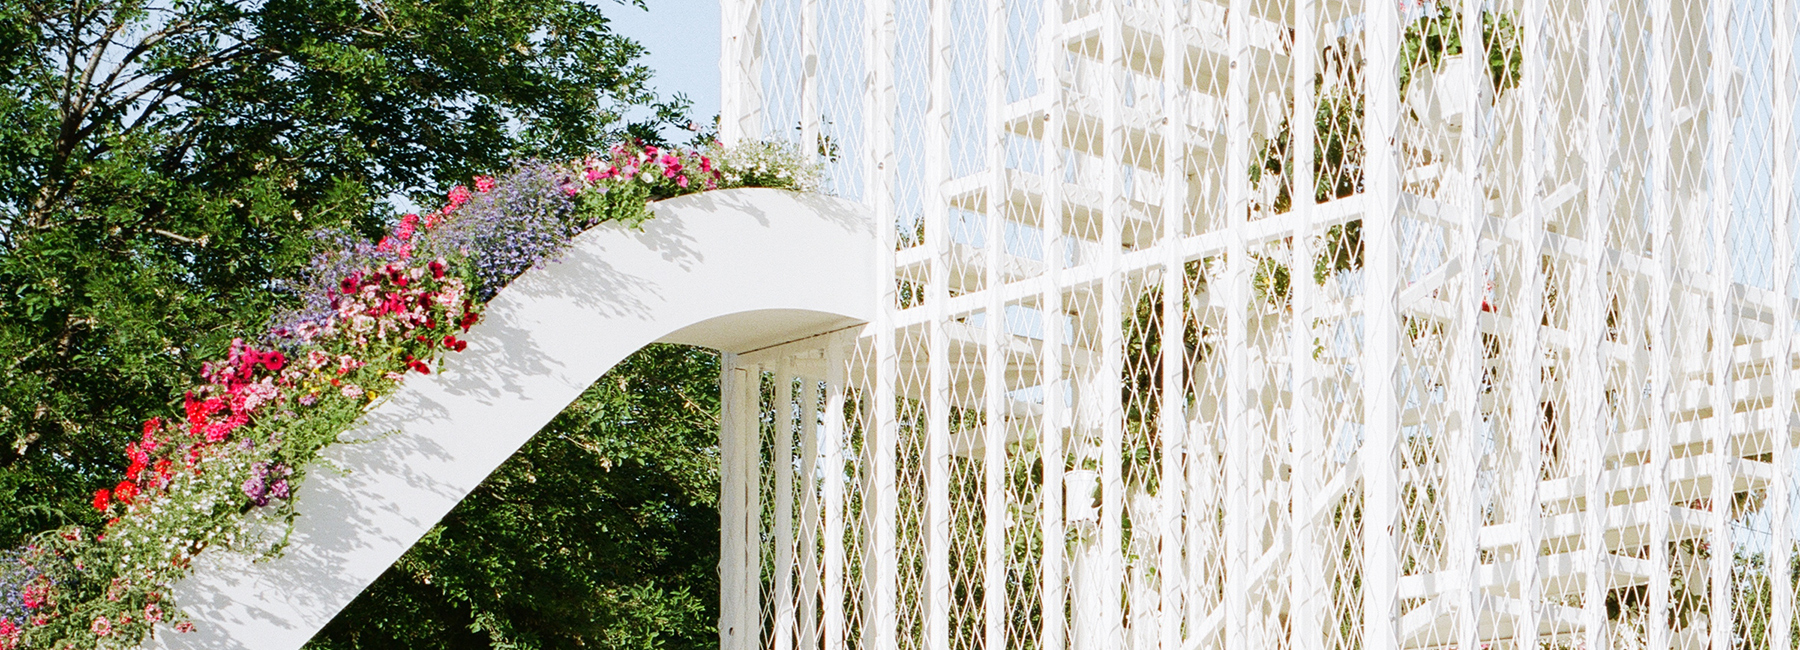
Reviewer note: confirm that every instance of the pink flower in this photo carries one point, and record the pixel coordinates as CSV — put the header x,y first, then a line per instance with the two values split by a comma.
x,y
483,183
595,175
184,627
681,182
351,391
458,196
101,626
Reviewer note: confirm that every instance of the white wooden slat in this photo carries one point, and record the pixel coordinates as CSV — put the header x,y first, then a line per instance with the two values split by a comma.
x,y
1098,391
1469,366
1662,319
1052,568
1781,617
781,463
1718,144
1310,593
1380,352
1591,366
1238,551
1173,415
995,513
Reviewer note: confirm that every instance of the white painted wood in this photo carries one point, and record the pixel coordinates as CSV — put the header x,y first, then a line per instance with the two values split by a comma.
x,y
1381,322
782,465
1239,553
1469,365
1782,94
810,565
706,257
1591,365
1662,320
1724,457
831,609
732,572
1172,419
1053,633
1307,581
1527,313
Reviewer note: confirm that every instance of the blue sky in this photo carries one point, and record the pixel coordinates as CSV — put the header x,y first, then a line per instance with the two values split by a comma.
x,y
682,37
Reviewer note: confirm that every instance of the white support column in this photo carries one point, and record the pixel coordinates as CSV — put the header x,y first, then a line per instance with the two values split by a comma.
x,y
1719,119
732,572
831,449
1310,595
811,526
1661,362
1053,636
1592,426
937,245
1238,552
782,464
746,550
1111,355
809,80
1381,324
1469,366
740,62
995,515
1527,313
1173,415
880,579
1781,618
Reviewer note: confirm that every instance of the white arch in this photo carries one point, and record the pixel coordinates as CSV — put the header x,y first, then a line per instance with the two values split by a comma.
x,y
734,269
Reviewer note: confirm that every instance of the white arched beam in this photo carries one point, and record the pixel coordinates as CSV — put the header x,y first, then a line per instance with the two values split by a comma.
x,y
735,270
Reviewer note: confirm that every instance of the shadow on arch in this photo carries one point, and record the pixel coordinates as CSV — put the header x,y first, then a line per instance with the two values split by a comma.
x,y
736,270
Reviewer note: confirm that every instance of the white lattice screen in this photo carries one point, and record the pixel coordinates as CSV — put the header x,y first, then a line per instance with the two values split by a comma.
x,y
1485,315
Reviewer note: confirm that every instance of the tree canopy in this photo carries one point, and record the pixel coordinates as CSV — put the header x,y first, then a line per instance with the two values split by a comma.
x,y
163,166
601,532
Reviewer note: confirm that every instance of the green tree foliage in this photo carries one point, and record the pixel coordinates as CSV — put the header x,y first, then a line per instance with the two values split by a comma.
x,y
162,165
603,531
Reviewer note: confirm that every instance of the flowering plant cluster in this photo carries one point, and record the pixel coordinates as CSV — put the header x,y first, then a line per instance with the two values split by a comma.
x,y
369,314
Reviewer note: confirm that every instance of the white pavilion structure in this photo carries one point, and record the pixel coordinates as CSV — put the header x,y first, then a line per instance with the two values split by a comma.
x,y
1485,314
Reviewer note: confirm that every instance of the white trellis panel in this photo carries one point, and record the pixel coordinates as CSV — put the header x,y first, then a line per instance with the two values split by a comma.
x,y
1300,324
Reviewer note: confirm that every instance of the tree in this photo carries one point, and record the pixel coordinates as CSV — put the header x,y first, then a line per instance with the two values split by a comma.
x,y
163,165
601,532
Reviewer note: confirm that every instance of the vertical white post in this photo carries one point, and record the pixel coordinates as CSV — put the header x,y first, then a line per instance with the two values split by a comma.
x,y
1238,551
732,573
937,243
1307,574
1781,617
1661,362
1468,367
750,443
1112,341
1173,415
740,65
995,515
809,80
1381,326
1527,314
731,103
1721,614
832,600
811,564
1053,636
782,464
879,577
1591,424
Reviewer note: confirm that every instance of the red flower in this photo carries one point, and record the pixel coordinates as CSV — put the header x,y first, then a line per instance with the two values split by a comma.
x,y
101,498
437,269
151,425
125,491
483,183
